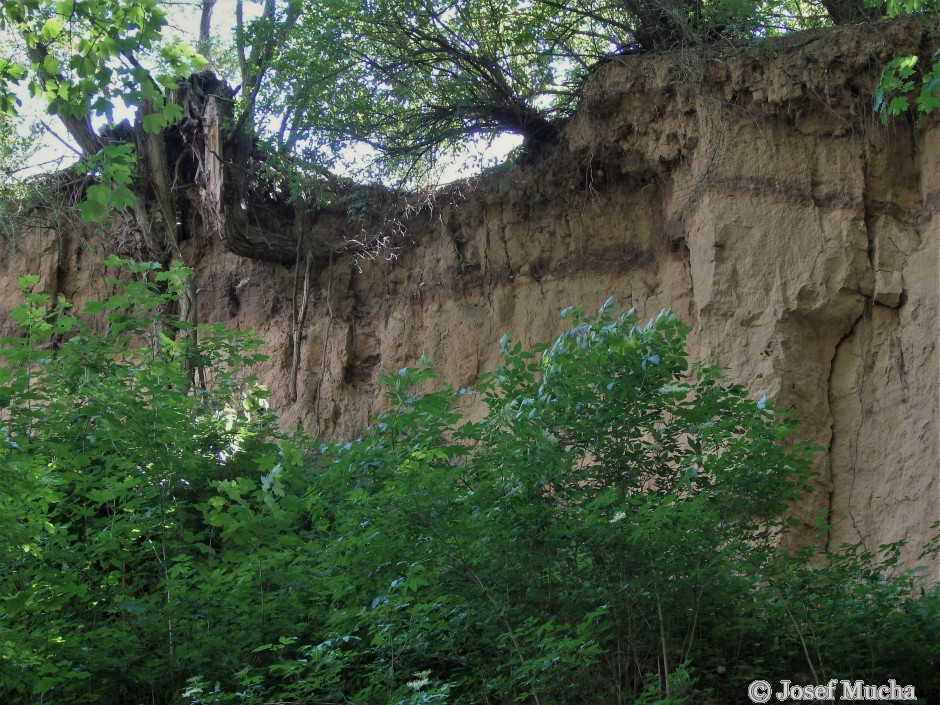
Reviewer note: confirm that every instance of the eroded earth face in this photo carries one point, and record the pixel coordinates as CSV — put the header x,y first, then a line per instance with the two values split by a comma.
x,y
759,198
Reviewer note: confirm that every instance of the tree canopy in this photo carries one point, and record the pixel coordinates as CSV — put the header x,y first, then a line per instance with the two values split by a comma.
x,y
388,86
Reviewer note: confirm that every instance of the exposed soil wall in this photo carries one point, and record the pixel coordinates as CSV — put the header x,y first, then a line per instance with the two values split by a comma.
x,y
750,190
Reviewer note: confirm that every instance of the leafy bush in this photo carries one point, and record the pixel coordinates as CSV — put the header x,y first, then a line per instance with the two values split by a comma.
x,y
904,78
118,576
860,616
605,534
600,522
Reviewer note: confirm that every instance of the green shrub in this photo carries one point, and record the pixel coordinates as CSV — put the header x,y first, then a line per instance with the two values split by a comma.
x,y
604,534
605,518
118,577
857,616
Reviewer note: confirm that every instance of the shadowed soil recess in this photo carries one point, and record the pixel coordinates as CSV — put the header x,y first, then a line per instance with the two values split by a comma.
x,y
753,191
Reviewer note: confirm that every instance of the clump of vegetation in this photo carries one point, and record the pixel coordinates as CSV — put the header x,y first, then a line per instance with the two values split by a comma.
x,y
384,88
909,84
108,462
605,534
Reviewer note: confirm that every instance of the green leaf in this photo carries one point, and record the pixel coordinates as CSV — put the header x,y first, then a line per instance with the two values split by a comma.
x,y
154,122
898,105
99,193
123,198
51,29
11,69
167,80
51,64
102,106
13,605
9,104
91,211
172,112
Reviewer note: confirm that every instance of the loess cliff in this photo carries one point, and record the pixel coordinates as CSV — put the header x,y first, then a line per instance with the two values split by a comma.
x,y
751,190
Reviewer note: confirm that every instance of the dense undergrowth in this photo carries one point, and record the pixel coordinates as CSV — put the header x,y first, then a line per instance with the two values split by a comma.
x,y
604,535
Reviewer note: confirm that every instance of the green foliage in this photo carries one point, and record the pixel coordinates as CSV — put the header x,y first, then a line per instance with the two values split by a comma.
x,y
398,85
120,495
15,152
113,165
416,79
893,618
607,514
86,59
15,149
85,56
902,7
384,89
604,534
905,78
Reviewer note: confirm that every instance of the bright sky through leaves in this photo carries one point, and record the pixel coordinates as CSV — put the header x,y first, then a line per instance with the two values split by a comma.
x,y
55,149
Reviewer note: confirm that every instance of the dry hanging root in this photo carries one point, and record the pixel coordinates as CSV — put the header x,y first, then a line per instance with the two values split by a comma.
x,y
326,341
299,316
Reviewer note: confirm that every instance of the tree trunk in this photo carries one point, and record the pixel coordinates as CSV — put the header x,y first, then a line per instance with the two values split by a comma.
x,y
851,11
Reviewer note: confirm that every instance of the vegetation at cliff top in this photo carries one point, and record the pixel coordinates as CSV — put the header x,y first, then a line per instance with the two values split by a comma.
x,y
318,100
385,87
605,534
